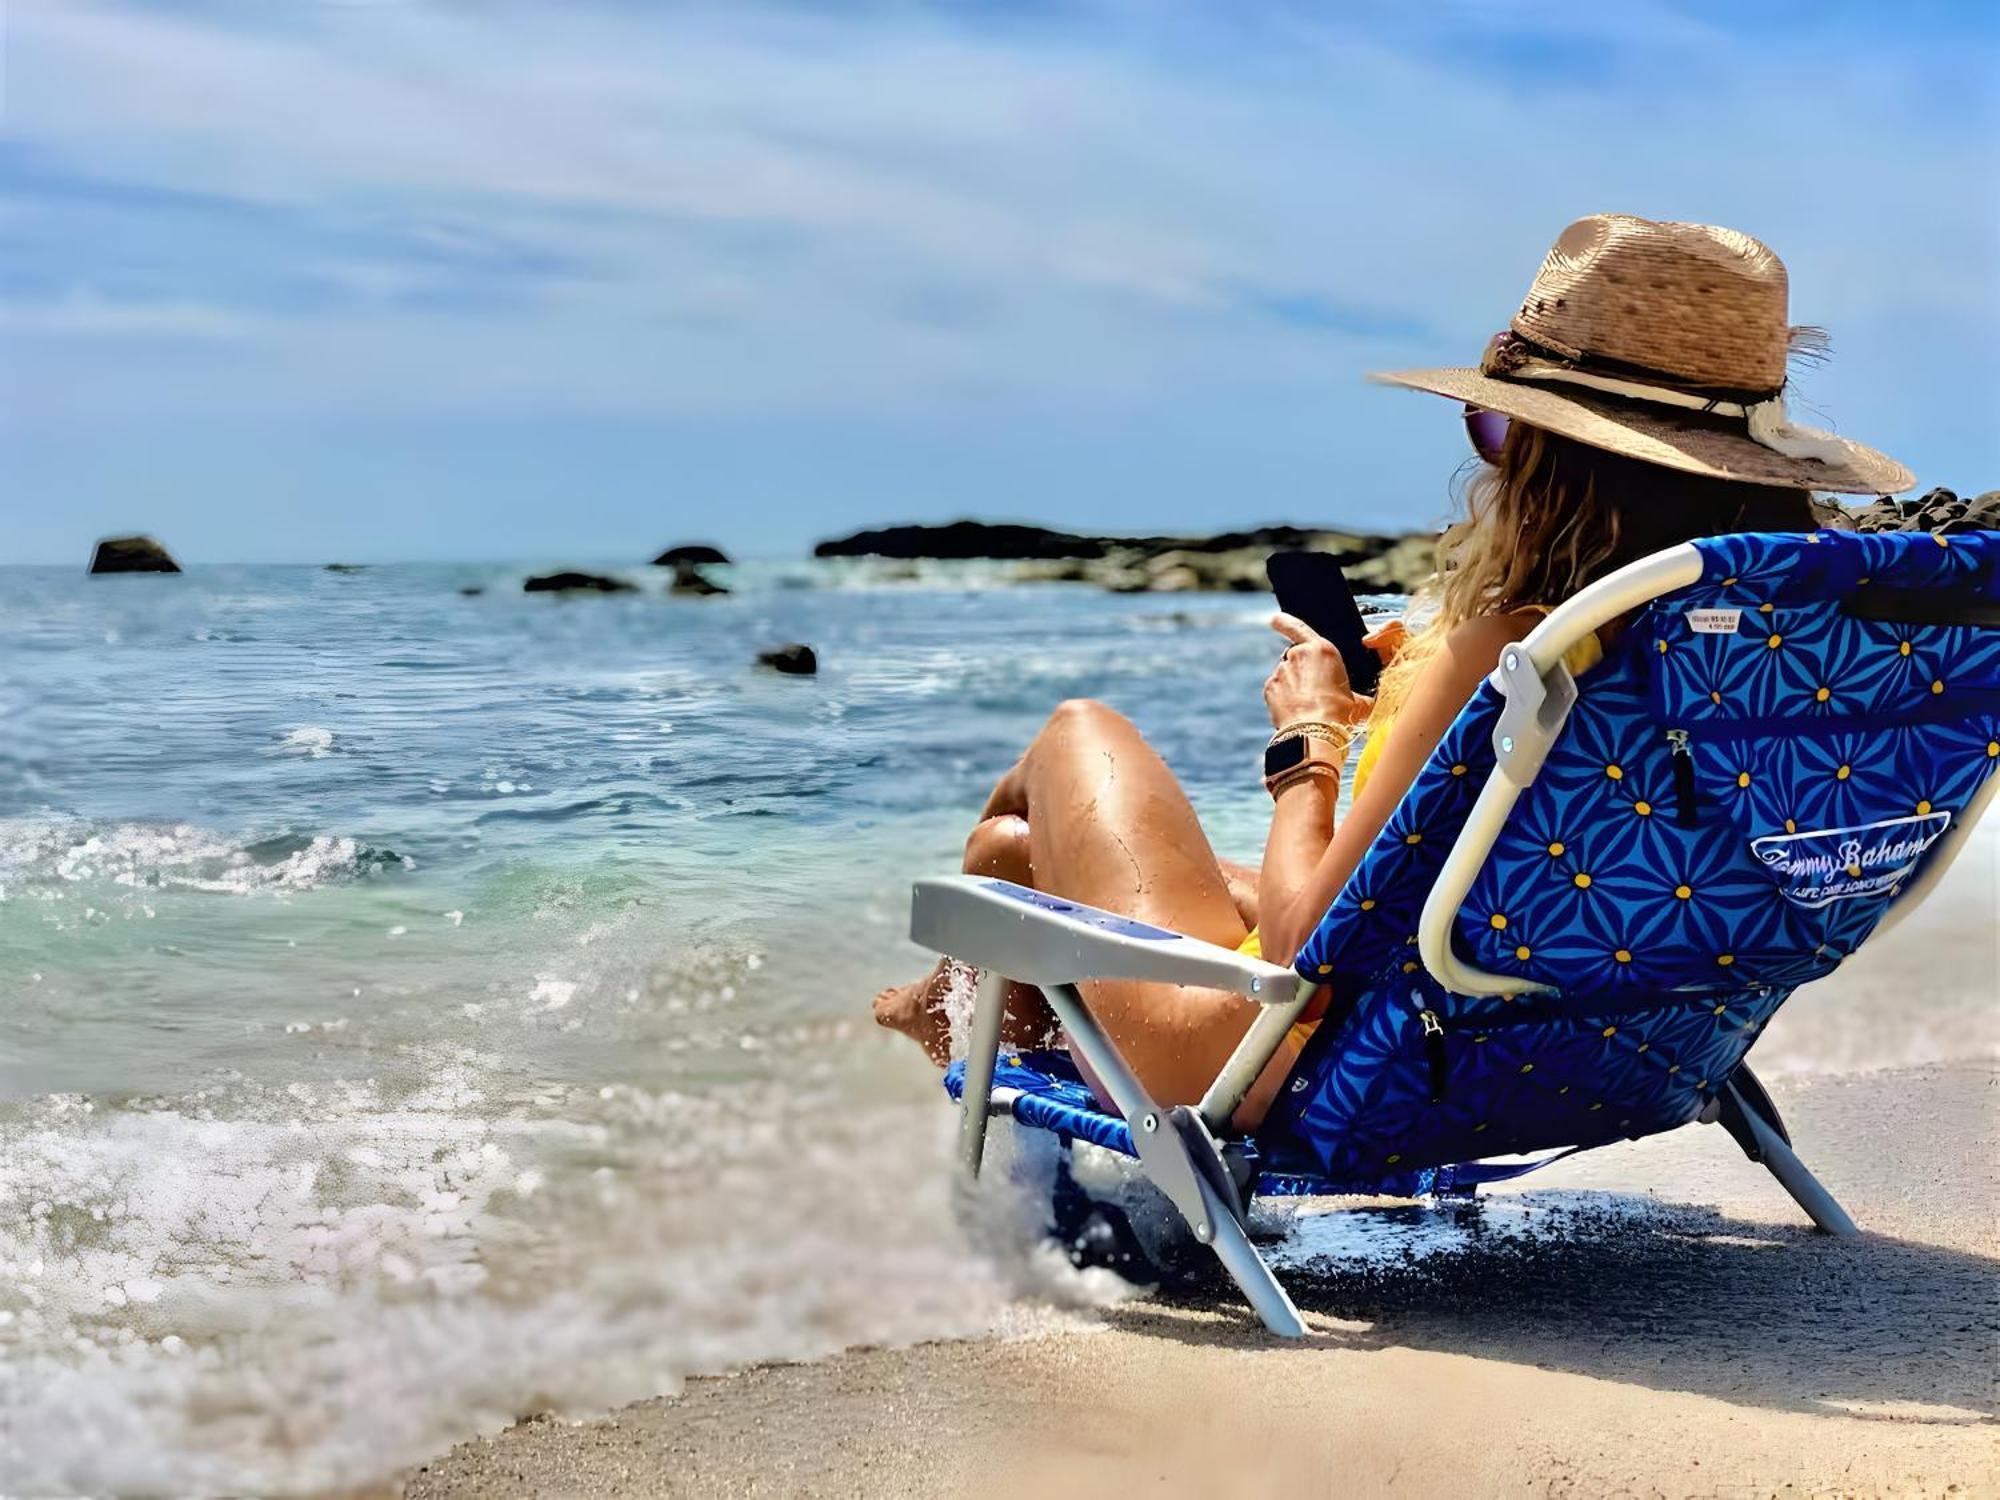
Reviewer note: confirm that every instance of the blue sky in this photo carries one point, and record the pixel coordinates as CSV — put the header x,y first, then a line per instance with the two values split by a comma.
x,y
380,279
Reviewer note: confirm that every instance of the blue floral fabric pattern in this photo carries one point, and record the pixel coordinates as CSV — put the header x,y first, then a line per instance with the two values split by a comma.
x,y
1745,784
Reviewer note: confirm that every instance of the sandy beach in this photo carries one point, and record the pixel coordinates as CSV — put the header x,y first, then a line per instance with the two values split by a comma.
x,y
1698,1341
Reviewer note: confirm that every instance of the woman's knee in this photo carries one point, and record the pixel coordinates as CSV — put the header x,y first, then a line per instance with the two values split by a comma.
x,y
999,846
1081,713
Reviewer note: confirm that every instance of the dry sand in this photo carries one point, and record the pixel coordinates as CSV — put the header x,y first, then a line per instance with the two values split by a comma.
x,y
1696,1340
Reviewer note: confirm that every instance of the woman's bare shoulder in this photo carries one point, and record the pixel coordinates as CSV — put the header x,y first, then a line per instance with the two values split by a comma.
x,y
1483,637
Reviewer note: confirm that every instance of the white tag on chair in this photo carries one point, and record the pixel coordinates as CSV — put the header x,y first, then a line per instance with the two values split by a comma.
x,y
1714,621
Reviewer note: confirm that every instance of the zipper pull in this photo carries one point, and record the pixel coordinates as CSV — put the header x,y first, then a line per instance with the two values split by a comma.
x,y
1683,764
1434,1052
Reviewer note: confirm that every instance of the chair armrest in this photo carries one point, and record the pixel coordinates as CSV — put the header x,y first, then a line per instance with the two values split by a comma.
x,y
1043,940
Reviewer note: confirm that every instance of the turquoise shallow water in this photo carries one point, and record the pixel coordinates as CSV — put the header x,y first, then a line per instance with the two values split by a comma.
x,y
418,1009
415,1007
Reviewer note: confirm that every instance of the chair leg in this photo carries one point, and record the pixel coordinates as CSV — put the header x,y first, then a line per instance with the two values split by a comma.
x,y
1250,1271
1772,1149
982,1052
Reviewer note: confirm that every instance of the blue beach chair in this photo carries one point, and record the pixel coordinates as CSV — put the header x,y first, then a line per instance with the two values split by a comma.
x,y
1584,912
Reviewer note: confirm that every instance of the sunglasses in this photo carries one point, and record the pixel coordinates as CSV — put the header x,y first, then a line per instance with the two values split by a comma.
x,y
1488,431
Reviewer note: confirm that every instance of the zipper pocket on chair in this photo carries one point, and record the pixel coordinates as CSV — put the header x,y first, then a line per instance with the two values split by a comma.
x,y
1683,768
1434,1053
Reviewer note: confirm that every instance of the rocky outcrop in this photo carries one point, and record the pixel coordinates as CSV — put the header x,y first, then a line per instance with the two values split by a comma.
x,y
962,541
132,554
347,567
690,580
1231,561
794,659
576,583
699,553
1940,511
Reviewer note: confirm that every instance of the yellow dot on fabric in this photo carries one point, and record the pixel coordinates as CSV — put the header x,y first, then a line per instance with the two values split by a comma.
x,y
1790,826
1843,773
1743,778
1645,1046
1903,648
1864,580
1522,953
1413,838
1775,642
1527,1067
1992,749
1326,968
1598,1105
1729,583
1410,967
1854,872
1725,959
1764,609
1714,697
1616,773
1582,881
1924,806
1624,956
1663,647
1368,903
1394,1157
1643,809
1937,685
1719,1009
1673,1070
1458,770
1683,891
1479,1127
1481,1037
1822,695
1499,922
1563,1090
1942,541
1703,1084
1556,847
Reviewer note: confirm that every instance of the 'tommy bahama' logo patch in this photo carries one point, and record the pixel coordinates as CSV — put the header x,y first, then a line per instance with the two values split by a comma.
x,y
1822,865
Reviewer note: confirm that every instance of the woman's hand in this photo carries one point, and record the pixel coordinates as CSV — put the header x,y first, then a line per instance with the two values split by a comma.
x,y
1310,680
1388,641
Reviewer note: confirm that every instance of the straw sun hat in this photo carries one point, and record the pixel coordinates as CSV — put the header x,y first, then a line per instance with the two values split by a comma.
x,y
1665,342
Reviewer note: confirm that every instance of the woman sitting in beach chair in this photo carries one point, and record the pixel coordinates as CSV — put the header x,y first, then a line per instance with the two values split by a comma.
x,y
1632,404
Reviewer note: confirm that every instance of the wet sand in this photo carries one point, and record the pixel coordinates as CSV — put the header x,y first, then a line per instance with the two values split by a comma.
x,y
1581,1336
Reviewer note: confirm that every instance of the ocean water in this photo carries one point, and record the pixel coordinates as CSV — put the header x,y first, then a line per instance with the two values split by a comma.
x,y
417,1010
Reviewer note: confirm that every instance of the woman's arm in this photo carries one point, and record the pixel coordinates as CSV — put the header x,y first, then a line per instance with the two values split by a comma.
x,y
1292,900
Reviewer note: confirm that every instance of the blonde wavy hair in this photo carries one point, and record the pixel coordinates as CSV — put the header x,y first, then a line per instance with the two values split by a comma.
x,y
1549,515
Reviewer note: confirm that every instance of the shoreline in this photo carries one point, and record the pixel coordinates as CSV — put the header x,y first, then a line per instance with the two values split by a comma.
x,y
1650,1317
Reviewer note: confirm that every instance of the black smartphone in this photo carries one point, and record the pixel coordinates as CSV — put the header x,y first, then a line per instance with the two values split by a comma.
x,y
1311,586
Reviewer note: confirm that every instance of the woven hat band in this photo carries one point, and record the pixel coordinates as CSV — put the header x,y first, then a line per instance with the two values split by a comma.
x,y
1766,422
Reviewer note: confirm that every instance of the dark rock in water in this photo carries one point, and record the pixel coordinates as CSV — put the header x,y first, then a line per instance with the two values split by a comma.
x,y
690,552
689,579
347,567
562,583
472,591
1230,561
132,554
794,659
962,540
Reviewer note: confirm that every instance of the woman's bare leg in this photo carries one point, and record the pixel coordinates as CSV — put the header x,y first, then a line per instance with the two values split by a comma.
x,y
1108,825
998,847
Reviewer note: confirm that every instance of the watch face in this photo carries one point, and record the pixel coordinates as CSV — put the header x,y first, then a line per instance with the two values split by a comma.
x,y
1284,755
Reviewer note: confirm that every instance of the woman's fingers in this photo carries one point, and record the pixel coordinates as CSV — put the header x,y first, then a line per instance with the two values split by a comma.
x,y
1293,629
1388,640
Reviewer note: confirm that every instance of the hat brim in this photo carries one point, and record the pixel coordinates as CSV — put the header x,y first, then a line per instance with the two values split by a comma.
x,y
1692,442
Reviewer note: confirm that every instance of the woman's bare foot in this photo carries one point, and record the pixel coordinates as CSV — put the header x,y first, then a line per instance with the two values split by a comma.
x,y
918,1011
